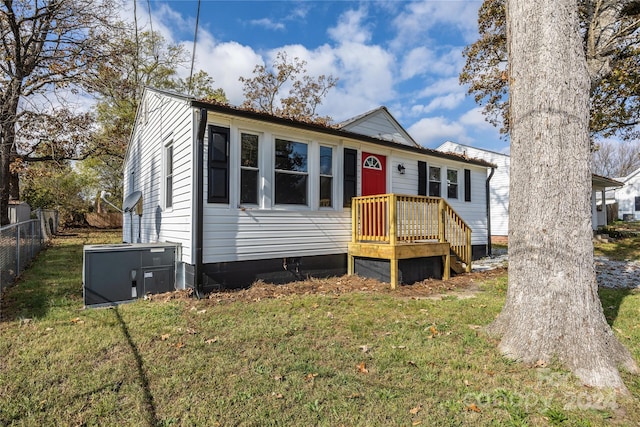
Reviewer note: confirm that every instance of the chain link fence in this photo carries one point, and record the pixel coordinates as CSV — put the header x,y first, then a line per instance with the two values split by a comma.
x,y
19,243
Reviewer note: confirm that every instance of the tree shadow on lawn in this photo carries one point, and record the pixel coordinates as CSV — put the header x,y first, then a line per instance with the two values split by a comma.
x,y
611,300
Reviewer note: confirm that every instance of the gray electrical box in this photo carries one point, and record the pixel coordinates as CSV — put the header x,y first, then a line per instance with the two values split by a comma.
x,y
124,272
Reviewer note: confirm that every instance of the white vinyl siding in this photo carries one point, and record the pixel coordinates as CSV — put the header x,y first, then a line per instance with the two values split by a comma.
x,y
168,118
499,184
627,196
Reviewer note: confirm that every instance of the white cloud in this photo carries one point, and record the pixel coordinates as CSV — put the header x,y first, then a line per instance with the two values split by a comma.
x,y
419,18
442,87
422,60
267,23
475,118
433,131
350,28
226,62
446,102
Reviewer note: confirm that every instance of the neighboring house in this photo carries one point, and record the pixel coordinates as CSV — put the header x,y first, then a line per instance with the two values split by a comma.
x,y
499,209
248,195
499,185
628,197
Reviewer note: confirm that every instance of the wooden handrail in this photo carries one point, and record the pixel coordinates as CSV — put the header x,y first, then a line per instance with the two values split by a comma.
x,y
393,218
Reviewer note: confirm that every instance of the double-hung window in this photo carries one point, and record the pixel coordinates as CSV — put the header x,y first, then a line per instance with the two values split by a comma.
x,y
249,171
168,174
452,184
326,177
291,172
434,181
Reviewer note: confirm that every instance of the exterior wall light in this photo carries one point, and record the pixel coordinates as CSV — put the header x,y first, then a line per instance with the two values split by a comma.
x,y
401,168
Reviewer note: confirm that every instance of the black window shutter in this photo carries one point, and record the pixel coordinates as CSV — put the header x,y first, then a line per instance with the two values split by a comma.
x,y
350,176
218,188
467,185
422,178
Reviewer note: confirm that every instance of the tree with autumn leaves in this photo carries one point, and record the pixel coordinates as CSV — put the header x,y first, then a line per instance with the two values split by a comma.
x,y
285,89
55,50
610,36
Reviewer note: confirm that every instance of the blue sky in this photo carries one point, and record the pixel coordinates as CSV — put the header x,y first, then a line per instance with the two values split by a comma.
x,y
405,55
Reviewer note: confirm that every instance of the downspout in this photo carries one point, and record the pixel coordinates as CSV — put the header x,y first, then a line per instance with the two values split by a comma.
x,y
488,196
199,203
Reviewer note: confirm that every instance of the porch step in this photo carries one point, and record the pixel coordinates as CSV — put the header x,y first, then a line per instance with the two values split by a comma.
x,y
457,266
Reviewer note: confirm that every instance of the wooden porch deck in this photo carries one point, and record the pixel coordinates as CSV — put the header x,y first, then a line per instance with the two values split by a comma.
x,y
394,227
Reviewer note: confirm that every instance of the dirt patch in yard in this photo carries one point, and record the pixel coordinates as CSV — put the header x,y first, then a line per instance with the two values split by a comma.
x,y
461,286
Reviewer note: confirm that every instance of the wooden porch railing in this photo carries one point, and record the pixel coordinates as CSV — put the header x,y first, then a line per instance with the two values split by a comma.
x,y
395,218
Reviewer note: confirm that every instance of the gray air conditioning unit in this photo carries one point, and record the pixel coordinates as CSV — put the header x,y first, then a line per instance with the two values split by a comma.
x,y
124,272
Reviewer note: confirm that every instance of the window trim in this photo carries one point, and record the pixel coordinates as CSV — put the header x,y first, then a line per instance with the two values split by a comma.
x,y
333,149
457,184
257,168
169,160
439,181
276,171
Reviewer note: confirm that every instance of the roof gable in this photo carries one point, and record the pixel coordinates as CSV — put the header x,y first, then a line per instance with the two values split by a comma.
x,y
379,123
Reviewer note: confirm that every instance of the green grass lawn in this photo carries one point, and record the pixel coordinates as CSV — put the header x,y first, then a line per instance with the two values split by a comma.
x,y
359,359
626,245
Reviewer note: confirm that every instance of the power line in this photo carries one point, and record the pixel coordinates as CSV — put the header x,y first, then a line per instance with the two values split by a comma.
x,y
193,53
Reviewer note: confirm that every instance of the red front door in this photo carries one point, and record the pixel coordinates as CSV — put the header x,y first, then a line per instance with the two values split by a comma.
x,y
374,181
374,174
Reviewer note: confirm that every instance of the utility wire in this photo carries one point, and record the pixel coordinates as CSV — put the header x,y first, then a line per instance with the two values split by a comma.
x,y
193,53
153,36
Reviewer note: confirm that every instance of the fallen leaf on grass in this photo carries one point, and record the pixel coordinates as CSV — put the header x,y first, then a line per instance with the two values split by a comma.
x,y
191,331
278,378
211,340
277,395
414,411
310,377
180,345
362,368
541,364
433,330
354,396
400,347
412,363
164,337
364,348
416,423
473,408
77,321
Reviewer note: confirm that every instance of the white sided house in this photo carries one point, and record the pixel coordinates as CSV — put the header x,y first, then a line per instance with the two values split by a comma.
x,y
628,197
499,183
251,196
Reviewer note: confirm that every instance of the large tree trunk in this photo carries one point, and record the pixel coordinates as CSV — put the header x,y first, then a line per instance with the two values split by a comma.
x,y
552,310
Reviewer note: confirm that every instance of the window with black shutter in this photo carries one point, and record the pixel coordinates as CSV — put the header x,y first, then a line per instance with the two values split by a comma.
x,y
218,183
467,185
422,178
350,176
